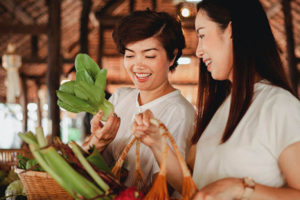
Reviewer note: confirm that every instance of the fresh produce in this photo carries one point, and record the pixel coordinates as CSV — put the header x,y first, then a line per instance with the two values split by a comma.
x,y
130,194
7,178
83,175
87,92
14,189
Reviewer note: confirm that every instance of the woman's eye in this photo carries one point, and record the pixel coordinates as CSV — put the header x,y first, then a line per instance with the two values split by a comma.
x,y
150,56
128,56
201,36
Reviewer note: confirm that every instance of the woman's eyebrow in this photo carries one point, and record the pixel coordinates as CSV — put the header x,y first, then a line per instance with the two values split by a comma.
x,y
145,50
129,50
150,49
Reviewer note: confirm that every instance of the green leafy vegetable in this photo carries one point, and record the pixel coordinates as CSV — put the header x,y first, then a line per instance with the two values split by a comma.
x,y
96,159
87,92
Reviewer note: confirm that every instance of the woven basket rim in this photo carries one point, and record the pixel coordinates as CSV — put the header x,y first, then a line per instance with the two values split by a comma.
x,y
32,173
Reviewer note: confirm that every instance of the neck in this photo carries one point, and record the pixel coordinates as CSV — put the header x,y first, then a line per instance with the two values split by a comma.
x,y
146,96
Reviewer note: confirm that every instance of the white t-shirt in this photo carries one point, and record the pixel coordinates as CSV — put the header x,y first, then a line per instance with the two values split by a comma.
x,y
271,123
172,109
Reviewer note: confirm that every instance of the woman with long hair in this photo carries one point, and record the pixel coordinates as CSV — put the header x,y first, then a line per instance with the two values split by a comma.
x,y
247,140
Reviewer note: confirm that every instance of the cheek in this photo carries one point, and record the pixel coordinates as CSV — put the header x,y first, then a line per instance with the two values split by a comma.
x,y
127,65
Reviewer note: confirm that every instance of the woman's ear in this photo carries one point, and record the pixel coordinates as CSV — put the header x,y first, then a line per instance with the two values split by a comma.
x,y
175,55
228,29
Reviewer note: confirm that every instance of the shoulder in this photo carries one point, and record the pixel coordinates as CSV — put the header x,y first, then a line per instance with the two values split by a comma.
x,y
277,99
180,104
176,109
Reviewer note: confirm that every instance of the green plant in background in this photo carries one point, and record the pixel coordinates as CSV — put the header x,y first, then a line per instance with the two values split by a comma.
x,y
87,92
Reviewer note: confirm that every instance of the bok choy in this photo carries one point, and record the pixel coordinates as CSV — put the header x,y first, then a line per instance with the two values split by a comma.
x,y
87,92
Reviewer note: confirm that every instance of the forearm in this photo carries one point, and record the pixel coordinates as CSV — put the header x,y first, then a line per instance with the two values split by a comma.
x,y
174,172
271,193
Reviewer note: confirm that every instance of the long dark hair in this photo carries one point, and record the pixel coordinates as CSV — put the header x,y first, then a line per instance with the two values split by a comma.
x,y
255,52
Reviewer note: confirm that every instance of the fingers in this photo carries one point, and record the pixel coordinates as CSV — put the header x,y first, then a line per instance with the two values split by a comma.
x,y
96,122
102,135
144,118
139,119
147,115
110,128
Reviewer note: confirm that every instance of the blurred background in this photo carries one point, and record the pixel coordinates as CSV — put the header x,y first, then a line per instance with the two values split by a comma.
x,y
39,40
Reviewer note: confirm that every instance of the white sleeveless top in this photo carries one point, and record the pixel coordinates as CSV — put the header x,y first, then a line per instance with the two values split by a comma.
x,y
271,123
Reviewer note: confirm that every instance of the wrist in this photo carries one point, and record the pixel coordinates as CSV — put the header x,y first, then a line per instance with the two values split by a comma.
x,y
248,185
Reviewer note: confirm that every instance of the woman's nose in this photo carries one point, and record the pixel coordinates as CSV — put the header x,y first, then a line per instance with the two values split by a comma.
x,y
199,51
138,62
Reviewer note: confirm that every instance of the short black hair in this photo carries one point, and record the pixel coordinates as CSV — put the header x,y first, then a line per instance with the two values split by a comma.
x,y
140,25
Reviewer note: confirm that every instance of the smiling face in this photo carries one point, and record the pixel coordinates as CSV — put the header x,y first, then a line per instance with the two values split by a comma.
x,y
214,47
147,64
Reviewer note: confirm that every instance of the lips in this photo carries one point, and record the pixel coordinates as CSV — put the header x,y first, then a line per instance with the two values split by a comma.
x,y
142,76
207,61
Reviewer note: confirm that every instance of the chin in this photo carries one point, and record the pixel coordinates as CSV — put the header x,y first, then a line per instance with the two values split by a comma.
x,y
217,78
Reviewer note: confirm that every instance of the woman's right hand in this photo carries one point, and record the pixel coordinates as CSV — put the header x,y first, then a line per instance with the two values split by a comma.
x,y
102,135
147,132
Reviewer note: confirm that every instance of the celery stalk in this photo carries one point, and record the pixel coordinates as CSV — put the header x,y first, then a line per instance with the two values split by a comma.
x,y
40,137
88,167
77,182
29,138
37,155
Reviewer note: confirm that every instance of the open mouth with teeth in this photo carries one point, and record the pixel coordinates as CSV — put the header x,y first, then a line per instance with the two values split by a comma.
x,y
142,76
207,62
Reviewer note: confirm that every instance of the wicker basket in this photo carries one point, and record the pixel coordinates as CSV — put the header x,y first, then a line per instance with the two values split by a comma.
x,y
8,157
40,185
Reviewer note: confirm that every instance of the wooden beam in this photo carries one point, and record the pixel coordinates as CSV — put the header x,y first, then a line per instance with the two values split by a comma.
x,y
108,8
273,10
109,22
34,46
131,5
6,28
17,12
38,103
291,58
101,45
54,65
38,60
154,4
84,21
24,102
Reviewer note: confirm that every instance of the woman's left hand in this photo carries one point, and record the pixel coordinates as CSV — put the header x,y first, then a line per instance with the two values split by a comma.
x,y
147,132
224,189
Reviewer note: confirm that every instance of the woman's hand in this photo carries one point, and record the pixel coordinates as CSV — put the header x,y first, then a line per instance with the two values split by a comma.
x,y
147,132
102,135
224,189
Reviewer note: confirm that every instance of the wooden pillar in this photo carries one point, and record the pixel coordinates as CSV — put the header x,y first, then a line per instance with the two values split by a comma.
x,y
101,45
24,102
34,46
154,4
38,103
131,5
54,65
84,21
291,58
